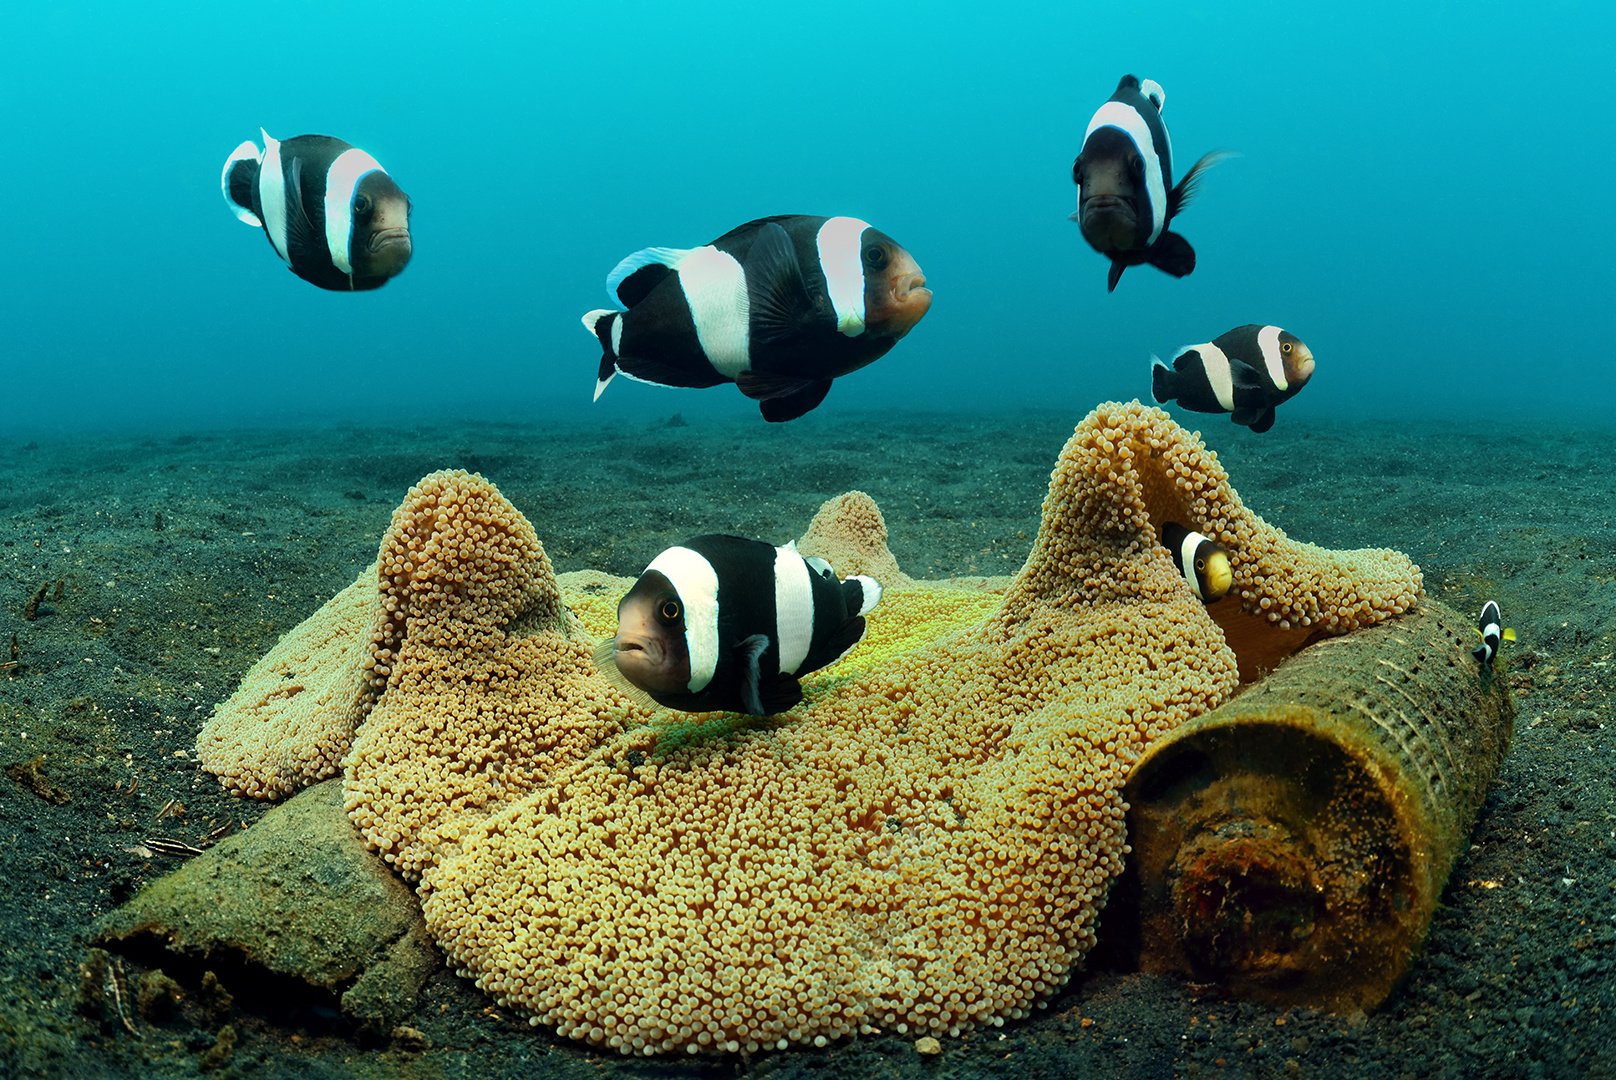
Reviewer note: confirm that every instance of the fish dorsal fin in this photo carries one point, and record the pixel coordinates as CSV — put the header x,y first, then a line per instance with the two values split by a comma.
x,y
605,657
781,306
747,654
630,293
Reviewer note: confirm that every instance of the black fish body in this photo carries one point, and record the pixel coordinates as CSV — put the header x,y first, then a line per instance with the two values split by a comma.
x,y
1493,634
1124,175
329,210
725,623
1246,372
779,306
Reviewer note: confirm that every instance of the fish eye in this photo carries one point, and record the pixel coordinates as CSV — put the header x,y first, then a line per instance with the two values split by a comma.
x,y
670,610
1286,347
1200,564
875,256
361,204
1134,161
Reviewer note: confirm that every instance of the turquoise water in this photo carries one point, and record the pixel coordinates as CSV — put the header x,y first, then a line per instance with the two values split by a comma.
x,y
1420,197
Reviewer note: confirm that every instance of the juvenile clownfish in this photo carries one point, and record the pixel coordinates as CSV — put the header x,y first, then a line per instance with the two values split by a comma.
x,y
724,623
1124,176
329,209
779,307
1246,372
1491,636
1203,562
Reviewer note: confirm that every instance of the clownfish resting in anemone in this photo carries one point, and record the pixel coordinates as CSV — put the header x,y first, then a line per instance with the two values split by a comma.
x,y
725,623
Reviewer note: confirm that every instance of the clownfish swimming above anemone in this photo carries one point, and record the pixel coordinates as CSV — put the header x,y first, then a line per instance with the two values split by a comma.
x,y
725,623
779,307
1246,372
1125,192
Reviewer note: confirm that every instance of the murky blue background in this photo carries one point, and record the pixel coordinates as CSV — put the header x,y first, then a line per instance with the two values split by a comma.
x,y
1422,196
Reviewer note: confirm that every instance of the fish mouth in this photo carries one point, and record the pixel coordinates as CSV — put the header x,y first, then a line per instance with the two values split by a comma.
x,y
1100,204
389,237
905,288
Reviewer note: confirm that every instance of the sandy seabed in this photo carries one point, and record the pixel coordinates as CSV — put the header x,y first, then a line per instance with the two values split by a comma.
x,y
172,561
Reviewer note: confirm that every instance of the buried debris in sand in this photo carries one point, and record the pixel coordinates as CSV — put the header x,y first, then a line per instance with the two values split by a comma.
x,y
923,844
297,895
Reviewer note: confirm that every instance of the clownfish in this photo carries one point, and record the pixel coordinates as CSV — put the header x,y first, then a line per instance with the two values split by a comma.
x,y
1124,176
1246,372
329,209
1203,561
779,307
725,623
1491,636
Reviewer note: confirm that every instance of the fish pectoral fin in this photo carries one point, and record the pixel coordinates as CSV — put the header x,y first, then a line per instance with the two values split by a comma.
x,y
780,305
777,410
747,654
1245,377
661,373
1185,189
1172,254
633,279
302,246
1111,279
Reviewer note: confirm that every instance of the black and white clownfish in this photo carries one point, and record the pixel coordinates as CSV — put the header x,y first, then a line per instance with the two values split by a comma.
x,y
1202,561
724,623
779,307
330,210
1124,175
1246,372
1492,635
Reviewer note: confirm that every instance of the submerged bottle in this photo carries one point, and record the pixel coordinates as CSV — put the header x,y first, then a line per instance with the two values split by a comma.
x,y
1292,844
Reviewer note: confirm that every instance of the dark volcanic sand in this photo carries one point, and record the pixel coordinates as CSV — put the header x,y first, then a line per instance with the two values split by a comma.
x,y
155,626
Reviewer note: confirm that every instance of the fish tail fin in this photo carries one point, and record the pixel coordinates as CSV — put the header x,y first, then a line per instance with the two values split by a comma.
x,y
861,593
1186,187
1161,380
240,173
599,323
1509,633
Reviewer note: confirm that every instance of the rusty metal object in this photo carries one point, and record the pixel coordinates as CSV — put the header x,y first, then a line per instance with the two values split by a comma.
x,y
1292,845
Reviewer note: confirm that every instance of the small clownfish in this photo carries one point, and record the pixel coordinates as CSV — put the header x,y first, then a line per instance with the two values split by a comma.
x,y
1246,372
1202,561
1491,636
725,623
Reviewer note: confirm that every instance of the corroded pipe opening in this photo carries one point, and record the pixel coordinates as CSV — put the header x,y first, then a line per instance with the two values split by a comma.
x,y
1292,844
